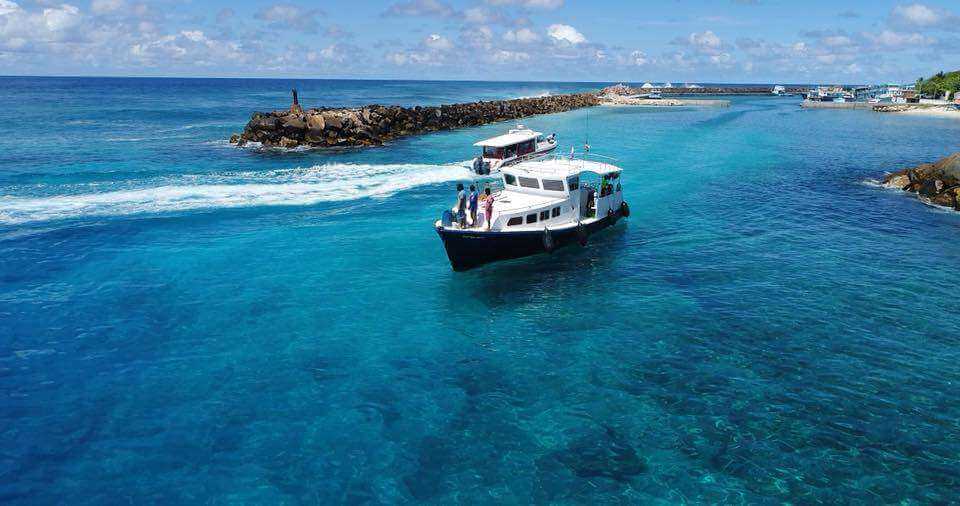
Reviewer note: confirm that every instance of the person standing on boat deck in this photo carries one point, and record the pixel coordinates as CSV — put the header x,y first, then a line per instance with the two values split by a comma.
x,y
472,204
461,207
487,206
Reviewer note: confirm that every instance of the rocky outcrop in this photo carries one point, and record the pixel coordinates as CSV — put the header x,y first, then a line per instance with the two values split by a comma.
x,y
937,183
375,124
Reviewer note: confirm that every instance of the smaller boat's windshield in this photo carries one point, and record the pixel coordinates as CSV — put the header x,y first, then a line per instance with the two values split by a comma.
x,y
492,152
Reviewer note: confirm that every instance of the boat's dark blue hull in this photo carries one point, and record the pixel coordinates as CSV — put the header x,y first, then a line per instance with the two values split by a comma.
x,y
468,249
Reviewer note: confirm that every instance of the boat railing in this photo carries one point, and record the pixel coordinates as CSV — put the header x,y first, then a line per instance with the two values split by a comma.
x,y
606,161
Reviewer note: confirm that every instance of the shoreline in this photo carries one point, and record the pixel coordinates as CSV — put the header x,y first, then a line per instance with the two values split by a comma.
x,y
933,112
621,101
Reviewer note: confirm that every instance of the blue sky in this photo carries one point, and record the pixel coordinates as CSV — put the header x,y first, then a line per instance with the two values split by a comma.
x,y
559,40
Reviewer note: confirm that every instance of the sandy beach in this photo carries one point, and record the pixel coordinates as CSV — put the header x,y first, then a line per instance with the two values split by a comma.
x,y
939,112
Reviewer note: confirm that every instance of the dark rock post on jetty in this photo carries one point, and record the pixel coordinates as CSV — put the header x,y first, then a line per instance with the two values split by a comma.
x,y
937,183
375,124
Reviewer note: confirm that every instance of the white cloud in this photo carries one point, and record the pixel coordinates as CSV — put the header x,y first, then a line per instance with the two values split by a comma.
x,y
916,14
706,41
891,39
289,16
521,36
438,42
411,58
476,15
639,58
334,53
62,18
8,7
194,35
837,40
421,8
534,4
105,6
566,34
503,56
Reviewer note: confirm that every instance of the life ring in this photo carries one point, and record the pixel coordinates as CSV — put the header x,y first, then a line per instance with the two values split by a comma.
x,y
624,210
582,236
548,243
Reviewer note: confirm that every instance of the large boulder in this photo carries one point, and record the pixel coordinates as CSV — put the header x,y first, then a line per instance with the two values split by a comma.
x,y
294,122
315,122
332,120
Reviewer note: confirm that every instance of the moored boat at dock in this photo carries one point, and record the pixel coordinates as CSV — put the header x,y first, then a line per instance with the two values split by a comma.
x,y
544,205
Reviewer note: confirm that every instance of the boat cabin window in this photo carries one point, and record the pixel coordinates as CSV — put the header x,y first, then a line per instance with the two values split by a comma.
x,y
516,220
556,212
526,147
510,151
573,183
492,152
532,218
529,182
544,215
553,185
509,179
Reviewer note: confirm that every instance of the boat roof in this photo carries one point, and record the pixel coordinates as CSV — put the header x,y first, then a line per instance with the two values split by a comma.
x,y
514,137
563,167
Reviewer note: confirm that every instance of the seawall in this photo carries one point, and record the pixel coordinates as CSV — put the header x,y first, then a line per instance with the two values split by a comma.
x,y
373,125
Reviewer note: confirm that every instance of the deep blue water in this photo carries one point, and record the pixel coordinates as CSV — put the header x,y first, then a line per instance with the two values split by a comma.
x,y
185,322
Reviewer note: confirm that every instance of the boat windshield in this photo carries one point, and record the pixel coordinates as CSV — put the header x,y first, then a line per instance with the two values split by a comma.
x,y
492,152
510,151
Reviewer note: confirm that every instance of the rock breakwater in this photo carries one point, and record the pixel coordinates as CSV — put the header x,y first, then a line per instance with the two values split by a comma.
x,y
937,183
373,125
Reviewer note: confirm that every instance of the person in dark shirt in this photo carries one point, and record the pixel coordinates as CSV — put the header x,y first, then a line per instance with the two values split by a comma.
x,y
461,208
472,204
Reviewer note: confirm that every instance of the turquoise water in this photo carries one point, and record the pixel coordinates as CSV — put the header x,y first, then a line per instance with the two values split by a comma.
x,y
186,322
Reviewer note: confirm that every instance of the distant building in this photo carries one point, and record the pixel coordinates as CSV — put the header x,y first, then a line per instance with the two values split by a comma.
x,y
779,90
668,85
647,86
691,86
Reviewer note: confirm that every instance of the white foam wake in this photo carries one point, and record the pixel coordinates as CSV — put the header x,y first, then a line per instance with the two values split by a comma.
x,y
300,186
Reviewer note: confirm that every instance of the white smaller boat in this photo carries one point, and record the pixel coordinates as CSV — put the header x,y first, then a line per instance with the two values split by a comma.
x,y
515,146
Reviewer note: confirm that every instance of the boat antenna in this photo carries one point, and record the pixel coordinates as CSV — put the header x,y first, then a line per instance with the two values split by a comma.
x,y
586,134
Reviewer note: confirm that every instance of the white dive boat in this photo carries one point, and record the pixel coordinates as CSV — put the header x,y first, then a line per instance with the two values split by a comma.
x,y
545,204
515,146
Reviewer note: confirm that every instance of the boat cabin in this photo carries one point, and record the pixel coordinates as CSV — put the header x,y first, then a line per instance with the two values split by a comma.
x,y
554,193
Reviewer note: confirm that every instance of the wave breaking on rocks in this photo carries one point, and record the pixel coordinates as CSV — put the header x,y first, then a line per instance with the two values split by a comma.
x,y
937,183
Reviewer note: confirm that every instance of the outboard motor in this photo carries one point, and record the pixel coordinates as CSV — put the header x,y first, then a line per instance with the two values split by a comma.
x,y
478,165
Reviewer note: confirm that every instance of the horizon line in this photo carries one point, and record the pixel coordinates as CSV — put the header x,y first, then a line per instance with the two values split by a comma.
x,y
439,80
